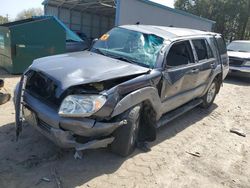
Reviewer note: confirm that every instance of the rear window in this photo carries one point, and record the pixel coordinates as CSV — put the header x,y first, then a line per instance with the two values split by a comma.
x,y
221,45
202,49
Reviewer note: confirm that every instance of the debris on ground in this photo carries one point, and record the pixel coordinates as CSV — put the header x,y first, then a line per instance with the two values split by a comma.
x,y
45,179
56,177
195,154
78,155
4,97
143,146
238,132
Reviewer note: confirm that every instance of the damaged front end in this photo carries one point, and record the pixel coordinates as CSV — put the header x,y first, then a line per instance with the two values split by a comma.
x,y
70,134
36,103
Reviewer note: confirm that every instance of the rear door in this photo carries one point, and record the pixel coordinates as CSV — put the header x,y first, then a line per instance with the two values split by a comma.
x,y
179,76
206,62
220,43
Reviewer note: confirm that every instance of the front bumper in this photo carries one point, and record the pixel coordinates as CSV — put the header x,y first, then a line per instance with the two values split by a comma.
x,y
239,71
62,131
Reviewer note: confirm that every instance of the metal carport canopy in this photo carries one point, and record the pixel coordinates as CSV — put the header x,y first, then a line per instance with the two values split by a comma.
x,y
95,17
100,7
90,17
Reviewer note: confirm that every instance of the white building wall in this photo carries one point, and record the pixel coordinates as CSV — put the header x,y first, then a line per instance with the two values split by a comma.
x,y
127,12
133,11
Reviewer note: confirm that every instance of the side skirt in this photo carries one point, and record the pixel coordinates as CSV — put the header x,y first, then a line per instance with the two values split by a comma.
x,y
166,118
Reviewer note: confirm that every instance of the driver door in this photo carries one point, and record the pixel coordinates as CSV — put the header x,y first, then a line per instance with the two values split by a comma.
x,y
179,76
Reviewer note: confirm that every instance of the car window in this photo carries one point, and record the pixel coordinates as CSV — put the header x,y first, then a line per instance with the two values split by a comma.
x,y
239,46
221,45
201,49
180,54
209,50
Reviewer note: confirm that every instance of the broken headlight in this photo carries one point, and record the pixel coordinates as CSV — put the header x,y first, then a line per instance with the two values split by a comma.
x,y
81,105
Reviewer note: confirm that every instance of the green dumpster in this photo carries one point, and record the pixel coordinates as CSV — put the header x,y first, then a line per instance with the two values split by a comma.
x,y
23,41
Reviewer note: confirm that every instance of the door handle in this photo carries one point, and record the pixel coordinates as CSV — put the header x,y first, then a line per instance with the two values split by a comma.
x,y
212,65
194,71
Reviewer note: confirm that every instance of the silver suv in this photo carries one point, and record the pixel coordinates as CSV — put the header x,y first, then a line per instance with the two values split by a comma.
x,y
134,79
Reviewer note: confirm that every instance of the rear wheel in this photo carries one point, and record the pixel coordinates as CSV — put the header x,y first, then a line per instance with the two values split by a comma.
x,y
209,97
126,135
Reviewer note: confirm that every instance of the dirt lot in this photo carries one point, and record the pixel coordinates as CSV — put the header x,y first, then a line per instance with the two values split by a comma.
x,y
224,157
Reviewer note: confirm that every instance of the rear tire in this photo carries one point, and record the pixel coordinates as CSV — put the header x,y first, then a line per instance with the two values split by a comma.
x,y
210,95
126,135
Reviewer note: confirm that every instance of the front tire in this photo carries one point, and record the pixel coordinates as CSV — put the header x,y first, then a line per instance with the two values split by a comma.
x,y
210,95
126,135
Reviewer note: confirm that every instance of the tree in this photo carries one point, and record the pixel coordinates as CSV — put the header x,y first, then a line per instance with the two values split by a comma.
x,y
245,17
3,19
29,13
232,17
247,33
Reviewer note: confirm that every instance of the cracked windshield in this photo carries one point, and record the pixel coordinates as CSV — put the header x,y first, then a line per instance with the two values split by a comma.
x,y
131,46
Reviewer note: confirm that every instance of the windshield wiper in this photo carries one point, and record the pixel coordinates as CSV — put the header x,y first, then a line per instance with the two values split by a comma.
x,y
134,62
237,50
122,58
242,51
113,56
97,50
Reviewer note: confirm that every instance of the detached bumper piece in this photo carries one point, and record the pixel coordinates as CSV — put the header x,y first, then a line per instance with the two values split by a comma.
x,y
66,139
4,97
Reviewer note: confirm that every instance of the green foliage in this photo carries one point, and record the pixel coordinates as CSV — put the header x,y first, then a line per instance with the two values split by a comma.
x,y
232,16
29,13
3,19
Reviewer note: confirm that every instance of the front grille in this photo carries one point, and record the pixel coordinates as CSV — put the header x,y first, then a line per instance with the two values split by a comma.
x,y
42,87
235,61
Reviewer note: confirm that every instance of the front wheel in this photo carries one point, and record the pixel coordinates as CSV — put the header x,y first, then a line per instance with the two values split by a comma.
x,y
210,95
126,135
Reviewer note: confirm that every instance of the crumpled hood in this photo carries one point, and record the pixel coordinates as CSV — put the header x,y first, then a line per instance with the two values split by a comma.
x,y
84,67
244,55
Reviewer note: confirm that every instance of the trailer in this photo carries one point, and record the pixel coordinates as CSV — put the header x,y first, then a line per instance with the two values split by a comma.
x,y
95,17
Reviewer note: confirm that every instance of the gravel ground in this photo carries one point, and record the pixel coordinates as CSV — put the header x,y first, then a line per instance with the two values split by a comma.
x,y
222,158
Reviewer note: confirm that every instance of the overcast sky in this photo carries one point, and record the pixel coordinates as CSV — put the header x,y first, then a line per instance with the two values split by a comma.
x,y
169,3
13,7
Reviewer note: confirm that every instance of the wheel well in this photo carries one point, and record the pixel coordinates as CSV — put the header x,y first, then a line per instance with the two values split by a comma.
x,y
147,129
